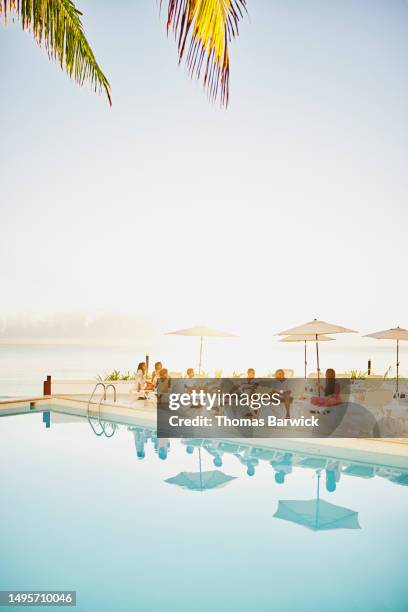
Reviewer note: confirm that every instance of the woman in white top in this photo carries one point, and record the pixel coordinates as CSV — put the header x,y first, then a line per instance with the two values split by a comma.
x,y
141,378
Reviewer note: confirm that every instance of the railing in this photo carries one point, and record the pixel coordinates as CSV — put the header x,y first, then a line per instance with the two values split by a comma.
x,y
102,424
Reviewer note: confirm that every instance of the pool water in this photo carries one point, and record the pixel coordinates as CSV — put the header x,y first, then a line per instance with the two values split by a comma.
x,y
86,513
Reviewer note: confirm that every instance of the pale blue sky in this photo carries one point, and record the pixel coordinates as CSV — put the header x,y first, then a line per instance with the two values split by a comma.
x,y
290,205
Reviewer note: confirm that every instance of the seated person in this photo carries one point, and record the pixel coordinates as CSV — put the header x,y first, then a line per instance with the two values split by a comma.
x,y
190,383
140,381
245,386
331,391
156,373
284,392
249,384
163,381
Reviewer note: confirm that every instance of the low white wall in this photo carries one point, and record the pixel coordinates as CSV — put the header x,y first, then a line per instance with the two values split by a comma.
x,y
85,387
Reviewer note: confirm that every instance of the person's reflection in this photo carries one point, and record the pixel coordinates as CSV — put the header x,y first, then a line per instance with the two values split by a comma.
x,y
140,436
140,440
217,461
332,476
155,441
163,446
213,449
248,461
282,466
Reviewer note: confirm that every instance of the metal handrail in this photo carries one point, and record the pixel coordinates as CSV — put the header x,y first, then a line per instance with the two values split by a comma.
x,y
113,428
99,384
103,399
114,391
93,428
102,431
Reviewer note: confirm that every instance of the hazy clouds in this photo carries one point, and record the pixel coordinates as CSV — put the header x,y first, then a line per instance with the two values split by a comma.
x,y
75,328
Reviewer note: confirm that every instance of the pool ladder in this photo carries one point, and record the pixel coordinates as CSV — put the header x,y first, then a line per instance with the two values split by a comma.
x,y
103,429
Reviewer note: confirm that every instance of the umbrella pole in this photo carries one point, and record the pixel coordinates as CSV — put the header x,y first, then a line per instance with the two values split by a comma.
x,y
318,499
199,463
318,365
305,363
201,355
397,364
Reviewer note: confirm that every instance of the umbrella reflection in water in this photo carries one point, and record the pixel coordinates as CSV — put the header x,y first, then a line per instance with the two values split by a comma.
x,y
317,514
200,481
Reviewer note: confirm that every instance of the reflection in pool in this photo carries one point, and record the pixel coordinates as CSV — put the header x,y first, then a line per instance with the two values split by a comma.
x,y
133,522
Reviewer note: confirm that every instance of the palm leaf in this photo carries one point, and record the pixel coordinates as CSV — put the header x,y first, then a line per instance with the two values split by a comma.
x,y
206,27
56,25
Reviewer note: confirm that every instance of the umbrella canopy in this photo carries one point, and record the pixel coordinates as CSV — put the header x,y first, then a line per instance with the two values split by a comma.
x,y
316,328
201,331
306,338
394,333
200,481
317,514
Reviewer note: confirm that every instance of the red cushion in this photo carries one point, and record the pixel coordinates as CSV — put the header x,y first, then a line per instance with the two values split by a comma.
x,y
332,400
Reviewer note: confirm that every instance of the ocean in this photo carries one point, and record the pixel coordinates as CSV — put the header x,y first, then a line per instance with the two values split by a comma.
x,y
23,367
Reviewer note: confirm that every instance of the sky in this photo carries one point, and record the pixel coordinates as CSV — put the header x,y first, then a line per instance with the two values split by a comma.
x,y
290,205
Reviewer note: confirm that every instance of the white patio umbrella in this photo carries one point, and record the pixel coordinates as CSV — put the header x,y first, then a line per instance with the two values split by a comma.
x,y
395,333
316,328
201,331
306,338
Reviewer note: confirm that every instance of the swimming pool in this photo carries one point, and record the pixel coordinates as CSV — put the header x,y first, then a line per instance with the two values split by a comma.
x,y
95,514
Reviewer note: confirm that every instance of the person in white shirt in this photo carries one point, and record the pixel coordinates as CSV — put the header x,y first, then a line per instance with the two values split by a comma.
x,y
282,387
140,380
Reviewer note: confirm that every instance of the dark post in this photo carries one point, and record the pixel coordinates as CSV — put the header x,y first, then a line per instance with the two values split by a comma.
x,y
147,364
369,367
47,386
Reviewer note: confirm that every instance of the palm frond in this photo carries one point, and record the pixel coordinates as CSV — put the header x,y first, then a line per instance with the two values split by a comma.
x,y
203,29
56,25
